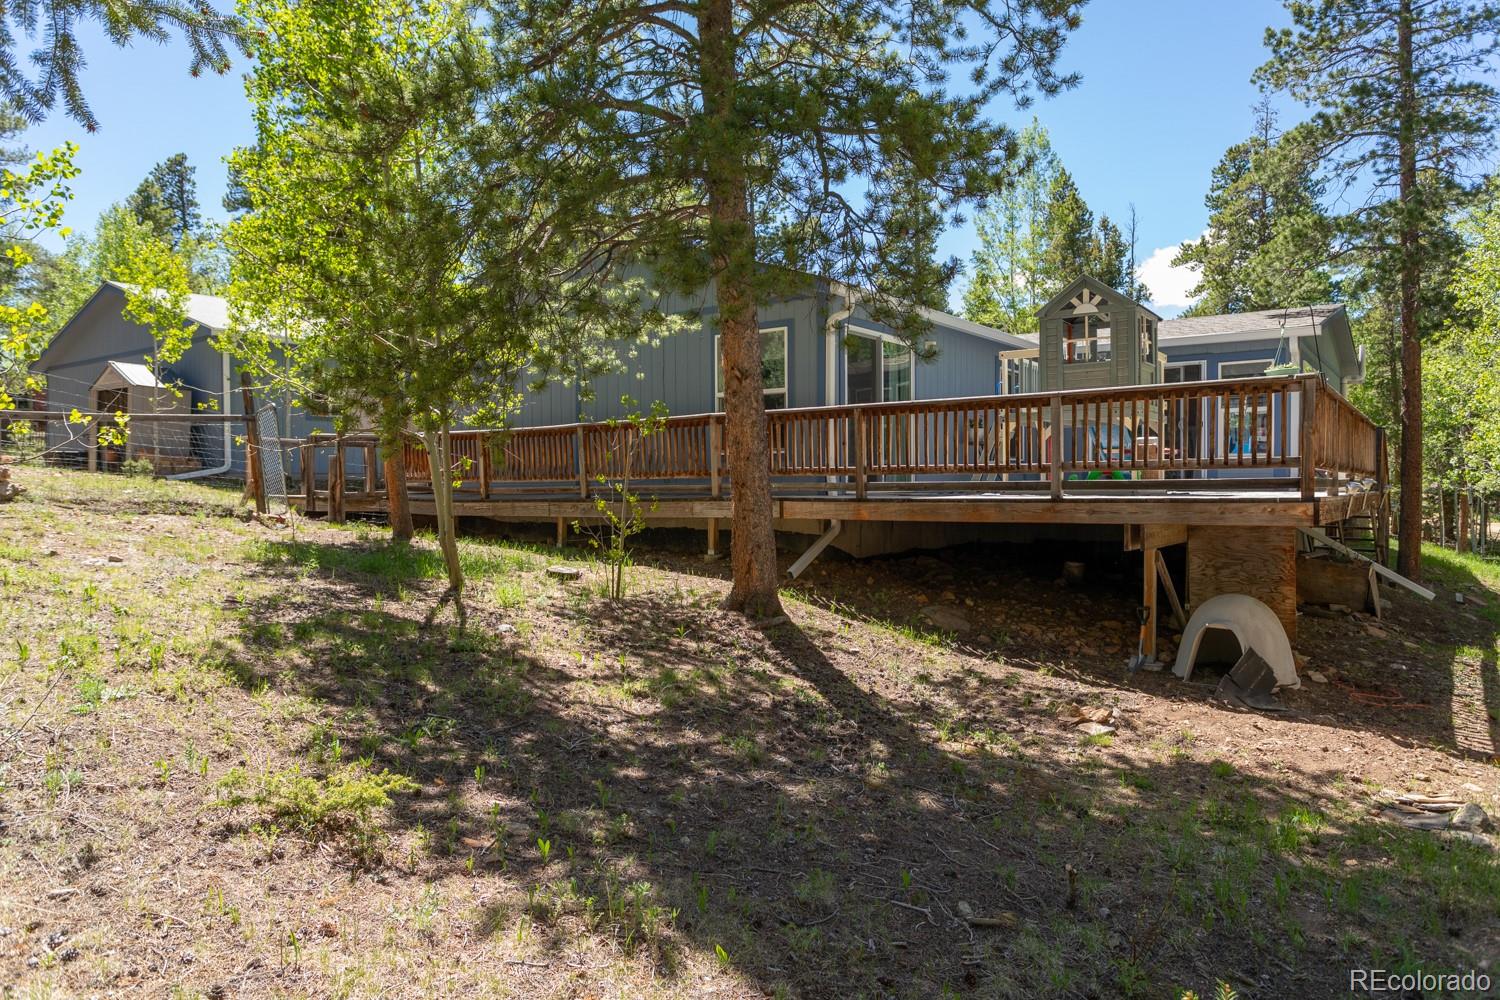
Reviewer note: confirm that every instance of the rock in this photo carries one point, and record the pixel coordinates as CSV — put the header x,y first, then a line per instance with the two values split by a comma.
x,y
947,617
1471,818
565,572
115,559
1095,729
1093,714
1470,837
1458,598
1316,677
505,628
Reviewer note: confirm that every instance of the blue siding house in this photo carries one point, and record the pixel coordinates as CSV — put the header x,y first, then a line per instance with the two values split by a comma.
x,y
821,348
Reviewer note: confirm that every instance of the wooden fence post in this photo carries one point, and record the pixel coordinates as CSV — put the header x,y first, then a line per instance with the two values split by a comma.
x,y
252,445
309,478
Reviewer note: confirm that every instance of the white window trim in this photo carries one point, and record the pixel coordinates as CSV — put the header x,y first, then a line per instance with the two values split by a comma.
x,y
1090,337
1264,364
886,338
1178,366
784,391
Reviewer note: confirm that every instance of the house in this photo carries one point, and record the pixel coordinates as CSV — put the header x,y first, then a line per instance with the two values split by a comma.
x,y
1242,345
100,360
821,347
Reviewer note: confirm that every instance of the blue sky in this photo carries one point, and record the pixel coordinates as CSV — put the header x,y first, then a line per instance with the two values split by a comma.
x,y
1166,88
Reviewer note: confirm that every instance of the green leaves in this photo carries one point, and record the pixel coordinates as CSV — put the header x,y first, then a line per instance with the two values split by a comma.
x,y
31,202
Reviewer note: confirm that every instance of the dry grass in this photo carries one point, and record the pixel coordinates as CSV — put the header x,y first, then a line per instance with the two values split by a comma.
x,y
239,761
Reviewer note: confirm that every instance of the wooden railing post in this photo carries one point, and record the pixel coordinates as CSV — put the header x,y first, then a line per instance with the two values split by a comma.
x,y
372,471
861,454
1307,460
715,445
484,466
1054,456
583,475
252,445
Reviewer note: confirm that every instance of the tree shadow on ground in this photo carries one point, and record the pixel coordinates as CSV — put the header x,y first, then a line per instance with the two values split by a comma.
x,y
655,782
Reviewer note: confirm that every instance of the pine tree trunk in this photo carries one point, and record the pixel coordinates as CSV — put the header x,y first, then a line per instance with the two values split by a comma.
x,y
440,454
1409,557
1465,529
732,253
397,501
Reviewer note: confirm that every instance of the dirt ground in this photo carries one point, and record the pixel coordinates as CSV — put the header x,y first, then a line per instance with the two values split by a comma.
x,y
249,759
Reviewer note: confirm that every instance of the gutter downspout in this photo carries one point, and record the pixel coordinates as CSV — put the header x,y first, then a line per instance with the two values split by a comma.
x,y
830,358
217,470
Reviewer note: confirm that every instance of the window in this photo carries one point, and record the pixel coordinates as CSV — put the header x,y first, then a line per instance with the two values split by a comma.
x,y
1086,339
1018,375
1183,422
877,368
1252,435
773,364
1147,332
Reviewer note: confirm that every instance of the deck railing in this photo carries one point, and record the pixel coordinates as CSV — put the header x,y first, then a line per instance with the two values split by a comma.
x,y
1241,426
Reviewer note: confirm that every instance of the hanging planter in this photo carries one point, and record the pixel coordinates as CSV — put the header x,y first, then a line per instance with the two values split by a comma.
x,y
1285,368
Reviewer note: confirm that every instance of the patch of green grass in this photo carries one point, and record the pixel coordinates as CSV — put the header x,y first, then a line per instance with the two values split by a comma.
x,y
341,804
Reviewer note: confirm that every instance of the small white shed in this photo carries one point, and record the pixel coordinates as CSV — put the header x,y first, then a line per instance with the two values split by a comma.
x,y
131,387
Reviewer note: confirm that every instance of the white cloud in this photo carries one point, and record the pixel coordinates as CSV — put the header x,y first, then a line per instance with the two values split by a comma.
x,y
1169,286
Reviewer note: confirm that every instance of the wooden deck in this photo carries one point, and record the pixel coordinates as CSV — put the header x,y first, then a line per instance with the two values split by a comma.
x,y
1232,469
1267,451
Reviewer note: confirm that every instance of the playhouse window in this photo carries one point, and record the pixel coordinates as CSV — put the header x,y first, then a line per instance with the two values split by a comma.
x,y
772,368
1085,339
1148,340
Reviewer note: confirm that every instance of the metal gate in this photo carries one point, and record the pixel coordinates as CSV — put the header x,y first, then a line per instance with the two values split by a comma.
x,y
271,468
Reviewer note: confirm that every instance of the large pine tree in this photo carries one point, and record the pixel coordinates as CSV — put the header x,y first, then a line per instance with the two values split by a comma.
x,y
734,143
1402,110
1268,243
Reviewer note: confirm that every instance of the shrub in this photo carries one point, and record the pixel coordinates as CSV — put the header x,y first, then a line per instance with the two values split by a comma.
x,y
339,805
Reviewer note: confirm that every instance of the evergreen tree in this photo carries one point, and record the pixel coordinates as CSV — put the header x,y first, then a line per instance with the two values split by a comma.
x,y
722,138
167,201
1268,243
1072,246
1111,254
60,60
1402,111
1007,284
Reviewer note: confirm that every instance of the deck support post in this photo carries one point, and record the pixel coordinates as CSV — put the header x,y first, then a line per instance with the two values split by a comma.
x,y
1148,600
713,538
562,532
1258,561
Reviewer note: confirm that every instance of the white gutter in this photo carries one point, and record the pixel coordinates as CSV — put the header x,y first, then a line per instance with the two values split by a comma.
x,y
217,470
830,360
